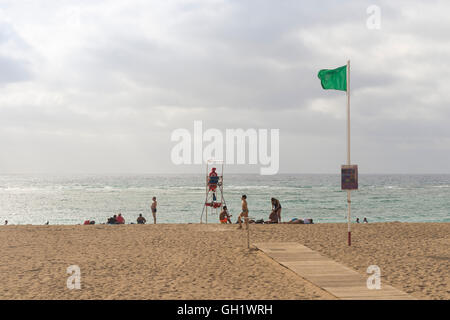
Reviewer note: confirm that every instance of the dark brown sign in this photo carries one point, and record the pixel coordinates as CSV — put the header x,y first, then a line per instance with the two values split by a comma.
x,y
349,177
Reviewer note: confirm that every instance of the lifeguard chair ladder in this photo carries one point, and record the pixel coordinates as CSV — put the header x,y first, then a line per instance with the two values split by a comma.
x,y
214,198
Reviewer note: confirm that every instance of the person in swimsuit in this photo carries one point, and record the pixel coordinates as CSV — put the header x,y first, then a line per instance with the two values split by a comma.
x,y
153,207
276,209
141,219
244,212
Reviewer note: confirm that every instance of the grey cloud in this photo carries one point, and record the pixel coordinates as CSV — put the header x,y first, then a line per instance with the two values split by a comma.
x,y
13,70
128,80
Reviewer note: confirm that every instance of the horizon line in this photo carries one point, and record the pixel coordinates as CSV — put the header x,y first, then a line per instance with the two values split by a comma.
x,y
233,173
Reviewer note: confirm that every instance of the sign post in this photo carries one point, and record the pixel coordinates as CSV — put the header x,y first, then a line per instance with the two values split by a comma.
x,y
349,173
349,182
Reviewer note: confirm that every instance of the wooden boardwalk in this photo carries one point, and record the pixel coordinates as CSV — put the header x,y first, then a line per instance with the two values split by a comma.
x,y
340,281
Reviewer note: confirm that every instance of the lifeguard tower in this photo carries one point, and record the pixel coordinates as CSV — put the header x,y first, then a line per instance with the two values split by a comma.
x,y
214,199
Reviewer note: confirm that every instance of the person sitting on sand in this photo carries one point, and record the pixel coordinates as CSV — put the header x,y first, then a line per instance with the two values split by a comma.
x,y
244,212
112,220
276,207
224,217
141,219
273,217
120,219
153,207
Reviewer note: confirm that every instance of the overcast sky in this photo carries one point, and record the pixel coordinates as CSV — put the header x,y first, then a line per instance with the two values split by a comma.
x,y
99,86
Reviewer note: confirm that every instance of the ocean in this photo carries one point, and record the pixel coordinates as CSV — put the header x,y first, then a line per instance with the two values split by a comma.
x,y
71,199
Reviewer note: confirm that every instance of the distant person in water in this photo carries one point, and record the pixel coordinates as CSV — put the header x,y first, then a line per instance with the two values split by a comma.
x,y
224,217
244,213
357,220
365,220
153,207
120,219
141,219
6,222
276,209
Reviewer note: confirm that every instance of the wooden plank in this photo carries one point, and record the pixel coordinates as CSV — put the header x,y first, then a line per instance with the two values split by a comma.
x,y
340,281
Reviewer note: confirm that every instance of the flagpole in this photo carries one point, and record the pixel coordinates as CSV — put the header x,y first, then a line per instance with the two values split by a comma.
x,y
348,155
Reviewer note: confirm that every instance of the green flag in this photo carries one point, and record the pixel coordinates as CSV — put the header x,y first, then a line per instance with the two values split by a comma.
x,y
334,79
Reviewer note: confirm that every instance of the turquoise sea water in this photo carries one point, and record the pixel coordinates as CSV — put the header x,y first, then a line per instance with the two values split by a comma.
x,y
70,199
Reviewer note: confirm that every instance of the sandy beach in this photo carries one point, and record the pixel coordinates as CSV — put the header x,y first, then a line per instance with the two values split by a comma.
x,y
192,261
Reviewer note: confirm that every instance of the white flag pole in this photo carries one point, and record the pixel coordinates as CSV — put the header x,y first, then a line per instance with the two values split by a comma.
x,y
348,154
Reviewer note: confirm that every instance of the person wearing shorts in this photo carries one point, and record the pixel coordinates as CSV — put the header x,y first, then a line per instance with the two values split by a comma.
x,y
153,207
224,216
244,213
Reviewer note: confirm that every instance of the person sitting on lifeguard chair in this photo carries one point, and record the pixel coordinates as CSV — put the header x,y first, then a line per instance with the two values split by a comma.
x,y
213,182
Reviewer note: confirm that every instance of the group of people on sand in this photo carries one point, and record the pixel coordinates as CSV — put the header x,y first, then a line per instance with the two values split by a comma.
x,y
116,219
119,219
225,217
274,217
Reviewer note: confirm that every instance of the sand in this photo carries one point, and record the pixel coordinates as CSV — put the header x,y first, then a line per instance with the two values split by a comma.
x,y
192,261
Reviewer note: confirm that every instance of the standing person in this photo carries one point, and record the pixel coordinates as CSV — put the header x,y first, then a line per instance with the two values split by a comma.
x,y
276,208
154,204
244,212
